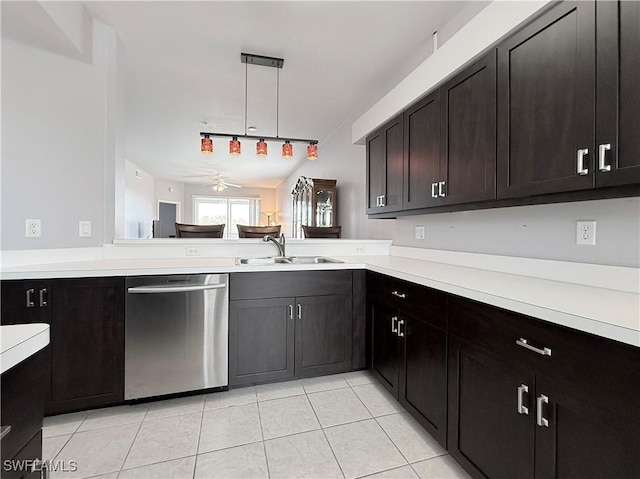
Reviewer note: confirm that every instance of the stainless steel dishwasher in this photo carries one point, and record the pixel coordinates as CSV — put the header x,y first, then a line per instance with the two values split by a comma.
x,y
176,334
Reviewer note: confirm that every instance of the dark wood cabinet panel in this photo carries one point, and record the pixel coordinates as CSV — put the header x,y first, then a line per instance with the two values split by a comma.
x,y
468,165
385,360
84,362
359,298
546,102
582,437
285,284
323,335
261,340
423,375
87,344
422,153
618,95
384,168
487,434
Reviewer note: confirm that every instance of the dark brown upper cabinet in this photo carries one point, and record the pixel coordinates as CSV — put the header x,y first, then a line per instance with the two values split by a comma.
x,y
618,95
422,153
384,168
468,160
546,104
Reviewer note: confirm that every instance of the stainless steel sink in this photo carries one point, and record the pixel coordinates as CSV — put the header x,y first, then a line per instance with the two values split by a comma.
x,y
287,260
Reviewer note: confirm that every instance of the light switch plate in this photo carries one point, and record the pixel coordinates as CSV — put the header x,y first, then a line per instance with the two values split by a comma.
x,y
419,232
84,229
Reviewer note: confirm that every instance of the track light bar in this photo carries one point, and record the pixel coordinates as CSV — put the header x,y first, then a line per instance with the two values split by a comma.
x,y
261,60
205,134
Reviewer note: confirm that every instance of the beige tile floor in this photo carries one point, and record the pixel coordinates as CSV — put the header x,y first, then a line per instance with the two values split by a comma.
x,y
340,426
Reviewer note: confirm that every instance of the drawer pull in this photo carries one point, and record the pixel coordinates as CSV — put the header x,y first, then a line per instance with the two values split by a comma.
x,y
540,419
4,430
399,294
522,409
30,301
43,297
394,324
525,344
602,156
400,331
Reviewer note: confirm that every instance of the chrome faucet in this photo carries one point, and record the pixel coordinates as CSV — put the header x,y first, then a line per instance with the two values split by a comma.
x,y
278,244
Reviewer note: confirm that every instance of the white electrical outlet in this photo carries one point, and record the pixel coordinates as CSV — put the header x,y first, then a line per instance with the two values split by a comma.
x,y
419,232
360,249
84,229
192,251
33,229
586,232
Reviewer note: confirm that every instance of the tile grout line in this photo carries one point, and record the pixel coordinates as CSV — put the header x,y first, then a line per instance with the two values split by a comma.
x,y
132,442
264,446
195,463
324,434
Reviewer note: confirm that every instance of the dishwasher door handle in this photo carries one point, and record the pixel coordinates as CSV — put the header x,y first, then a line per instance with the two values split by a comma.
x,y
175,289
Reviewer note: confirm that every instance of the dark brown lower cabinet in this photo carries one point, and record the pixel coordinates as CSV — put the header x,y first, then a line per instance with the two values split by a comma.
x,y
568,409
409,352
84,364
285,325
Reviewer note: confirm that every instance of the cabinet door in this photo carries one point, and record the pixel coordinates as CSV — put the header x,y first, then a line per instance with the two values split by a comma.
x,y
546,101
87,344
384,354
376,165
25,302
384,168
323,335
487,433
618,95
422,153
468,167
261,340
582,437
423,375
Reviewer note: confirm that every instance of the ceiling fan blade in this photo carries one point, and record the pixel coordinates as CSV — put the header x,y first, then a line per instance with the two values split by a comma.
x,y
231,184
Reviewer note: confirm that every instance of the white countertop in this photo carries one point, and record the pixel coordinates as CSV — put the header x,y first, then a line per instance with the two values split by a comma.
x,y
611,313
20,341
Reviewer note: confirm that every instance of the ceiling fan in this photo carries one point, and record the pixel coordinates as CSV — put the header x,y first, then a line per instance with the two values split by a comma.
x,y
218,183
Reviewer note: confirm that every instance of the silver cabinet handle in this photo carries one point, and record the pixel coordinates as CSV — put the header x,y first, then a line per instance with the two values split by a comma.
x,y
399,294
525,344
540,419
441,190
377,201
382,200
174,289
602,156
4,430
394,325
434,187
299,311
400,332
291,311
30,302
581,154
522,409
43,296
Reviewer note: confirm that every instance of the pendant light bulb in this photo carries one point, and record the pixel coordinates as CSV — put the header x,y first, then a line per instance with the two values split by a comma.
x,y
206,145
234,146
287,149
261,148
312,151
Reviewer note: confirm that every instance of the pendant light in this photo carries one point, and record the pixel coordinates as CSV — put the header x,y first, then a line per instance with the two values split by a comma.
x,y
312,151
234,146
261,147
206,145
287,149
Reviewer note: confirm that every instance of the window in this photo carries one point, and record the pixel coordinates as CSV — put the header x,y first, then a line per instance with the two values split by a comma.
x,y
215,210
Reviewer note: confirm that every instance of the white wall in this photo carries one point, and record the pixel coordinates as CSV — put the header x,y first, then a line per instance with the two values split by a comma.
x,y
54,146
267,196
537,231
139,205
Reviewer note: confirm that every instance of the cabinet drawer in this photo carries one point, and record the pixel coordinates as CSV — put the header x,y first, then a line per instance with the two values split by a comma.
x,y
285,284
412,299
606,370
22,403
